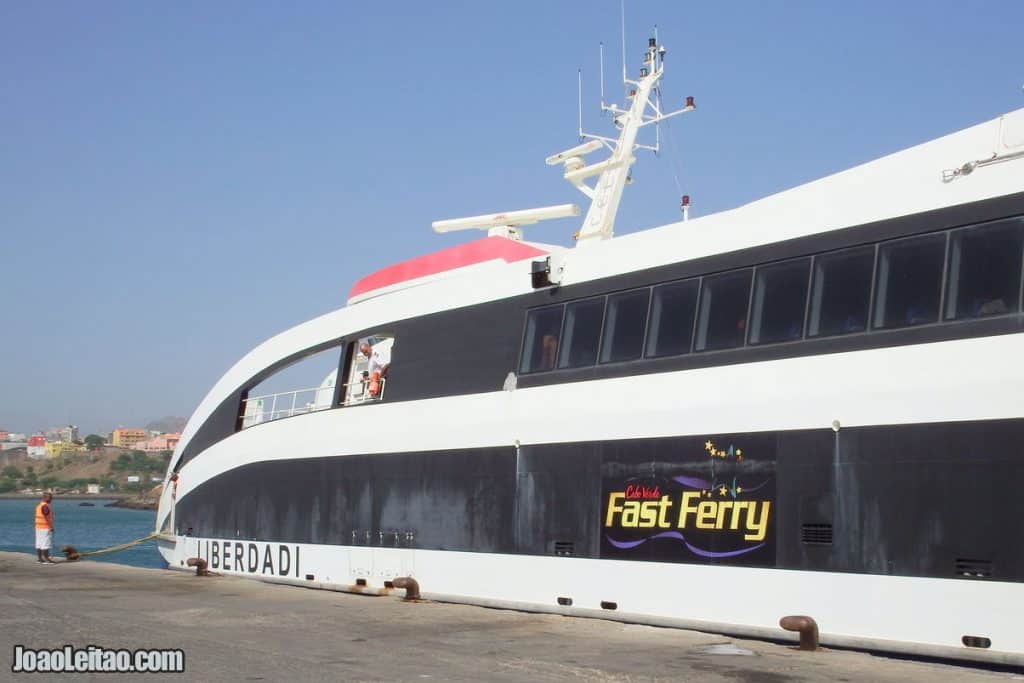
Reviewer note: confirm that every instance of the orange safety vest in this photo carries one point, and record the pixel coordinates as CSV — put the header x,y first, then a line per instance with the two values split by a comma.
x,y
44,521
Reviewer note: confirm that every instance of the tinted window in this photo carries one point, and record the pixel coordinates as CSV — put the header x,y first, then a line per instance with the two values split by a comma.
x,y
723,311
780,297
624,326
984,270
582,332
909,281
543,326
672,314
841,293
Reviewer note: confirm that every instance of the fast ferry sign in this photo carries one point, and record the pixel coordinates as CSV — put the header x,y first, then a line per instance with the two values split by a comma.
x,y
710,502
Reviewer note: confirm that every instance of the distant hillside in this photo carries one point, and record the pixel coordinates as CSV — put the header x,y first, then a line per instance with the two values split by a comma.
x,y
173,425
108,466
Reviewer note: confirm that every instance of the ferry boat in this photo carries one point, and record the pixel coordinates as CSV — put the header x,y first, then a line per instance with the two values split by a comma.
x,y
804,405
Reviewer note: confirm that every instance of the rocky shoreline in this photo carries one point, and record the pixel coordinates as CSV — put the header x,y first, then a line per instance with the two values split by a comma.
x,y
134,503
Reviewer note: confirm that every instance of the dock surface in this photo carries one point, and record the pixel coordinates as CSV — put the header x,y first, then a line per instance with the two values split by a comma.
x,y
234,629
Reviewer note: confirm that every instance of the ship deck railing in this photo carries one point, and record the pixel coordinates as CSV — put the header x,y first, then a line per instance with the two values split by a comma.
x,y
269,407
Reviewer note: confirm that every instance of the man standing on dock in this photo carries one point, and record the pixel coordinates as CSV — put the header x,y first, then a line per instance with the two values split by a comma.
x,y
44,529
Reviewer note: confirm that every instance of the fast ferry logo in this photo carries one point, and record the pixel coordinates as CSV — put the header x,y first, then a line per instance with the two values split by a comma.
x,y
723,510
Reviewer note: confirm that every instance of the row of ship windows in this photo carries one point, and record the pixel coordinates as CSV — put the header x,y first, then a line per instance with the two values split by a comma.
x,y
965,273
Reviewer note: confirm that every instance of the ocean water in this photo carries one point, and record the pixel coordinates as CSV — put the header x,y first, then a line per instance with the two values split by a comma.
x,y
86,528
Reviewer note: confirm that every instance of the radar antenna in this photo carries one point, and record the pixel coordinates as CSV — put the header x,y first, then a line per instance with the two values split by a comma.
x,y
613,173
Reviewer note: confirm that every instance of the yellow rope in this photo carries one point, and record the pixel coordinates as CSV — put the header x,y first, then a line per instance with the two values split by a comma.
x,y
122,546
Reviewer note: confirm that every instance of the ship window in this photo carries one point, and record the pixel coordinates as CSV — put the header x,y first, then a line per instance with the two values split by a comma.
x,y
543,326
672,314
780,298
841,293
582,332
985,270
624,326
722,323
909,281
305,385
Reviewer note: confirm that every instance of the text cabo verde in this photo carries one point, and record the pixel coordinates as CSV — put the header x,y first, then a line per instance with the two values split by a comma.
x,y
249,557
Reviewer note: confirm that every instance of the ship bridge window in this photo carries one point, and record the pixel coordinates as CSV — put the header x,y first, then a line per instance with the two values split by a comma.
x,y
305,385
540,346
672,312
985,270
909,281
624,326
582,333
841,292
722,323
780,298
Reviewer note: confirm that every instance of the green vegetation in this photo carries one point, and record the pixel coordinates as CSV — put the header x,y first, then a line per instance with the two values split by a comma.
x,y
140,463
94,442
11,472
134,463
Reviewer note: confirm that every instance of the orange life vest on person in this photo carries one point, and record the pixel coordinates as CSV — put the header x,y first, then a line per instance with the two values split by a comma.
x,y
44,521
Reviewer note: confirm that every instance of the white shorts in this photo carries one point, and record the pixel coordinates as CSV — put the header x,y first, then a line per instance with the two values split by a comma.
x,y
44,539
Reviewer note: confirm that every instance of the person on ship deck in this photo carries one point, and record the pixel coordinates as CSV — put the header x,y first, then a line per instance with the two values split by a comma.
x,y
378,362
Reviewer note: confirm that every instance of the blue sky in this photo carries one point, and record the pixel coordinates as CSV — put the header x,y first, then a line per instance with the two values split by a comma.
x,y
180,181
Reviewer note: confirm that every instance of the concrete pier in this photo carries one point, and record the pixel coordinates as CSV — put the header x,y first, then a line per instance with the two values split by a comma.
x,y
238,629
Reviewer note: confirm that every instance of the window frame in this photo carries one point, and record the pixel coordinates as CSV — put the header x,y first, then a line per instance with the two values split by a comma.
x,y
693,324
600,332
700,309
874,312
873,247
643,334
947,284
807,294
526,329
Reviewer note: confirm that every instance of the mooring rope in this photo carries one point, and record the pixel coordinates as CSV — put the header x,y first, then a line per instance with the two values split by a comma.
x,y
75,555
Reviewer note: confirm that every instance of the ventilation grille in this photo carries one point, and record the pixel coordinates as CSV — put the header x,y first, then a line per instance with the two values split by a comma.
x,y
565,548
816,534
973,569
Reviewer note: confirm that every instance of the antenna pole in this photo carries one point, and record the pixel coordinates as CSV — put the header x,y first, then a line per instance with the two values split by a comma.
x,y
601,51
579,100
623,18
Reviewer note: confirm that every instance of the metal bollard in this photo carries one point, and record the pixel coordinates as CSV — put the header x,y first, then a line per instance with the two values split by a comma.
x,y
805,626
200,565
411,586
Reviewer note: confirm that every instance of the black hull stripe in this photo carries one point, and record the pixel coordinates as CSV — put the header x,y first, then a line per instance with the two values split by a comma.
x,y
925,500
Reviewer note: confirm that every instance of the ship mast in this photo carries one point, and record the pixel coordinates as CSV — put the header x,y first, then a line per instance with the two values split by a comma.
x,y
613,173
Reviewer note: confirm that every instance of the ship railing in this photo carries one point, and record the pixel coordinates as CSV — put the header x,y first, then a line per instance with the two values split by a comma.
x,y
358,392
269,407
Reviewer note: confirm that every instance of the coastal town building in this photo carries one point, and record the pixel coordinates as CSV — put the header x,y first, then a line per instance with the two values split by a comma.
x,y
127,438
163,442
37,446
56,449
68,434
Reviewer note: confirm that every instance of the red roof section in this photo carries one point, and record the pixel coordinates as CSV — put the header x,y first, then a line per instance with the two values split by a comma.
x,y
480,251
